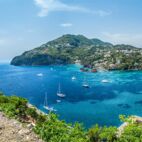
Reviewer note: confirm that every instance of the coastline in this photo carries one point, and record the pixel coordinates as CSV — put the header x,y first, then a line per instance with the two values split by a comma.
x,y
79,65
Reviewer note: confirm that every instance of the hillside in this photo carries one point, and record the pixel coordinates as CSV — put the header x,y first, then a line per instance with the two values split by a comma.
x,y
13,131
77,48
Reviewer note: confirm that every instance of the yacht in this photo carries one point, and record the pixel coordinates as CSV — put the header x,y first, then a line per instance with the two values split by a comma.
x,y
58,101
73,78
40,74
59,93
85,84
104,81
46,105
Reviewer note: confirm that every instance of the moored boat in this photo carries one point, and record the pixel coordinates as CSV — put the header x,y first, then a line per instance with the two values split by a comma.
x,y
46,105
105,81
40,74
58,101
84,69
85,84
59,93
94,70
73,78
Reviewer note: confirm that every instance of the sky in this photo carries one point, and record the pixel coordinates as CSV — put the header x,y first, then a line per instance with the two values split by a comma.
x,y
26,24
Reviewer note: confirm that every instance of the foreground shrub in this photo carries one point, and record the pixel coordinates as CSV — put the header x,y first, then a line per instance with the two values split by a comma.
x,y
54,130
97,134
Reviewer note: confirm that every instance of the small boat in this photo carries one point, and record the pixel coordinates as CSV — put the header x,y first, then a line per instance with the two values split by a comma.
x,y
85,84
84,69
73,78
46,105
94,70
105,81
59,93
49,108
40,74
58,101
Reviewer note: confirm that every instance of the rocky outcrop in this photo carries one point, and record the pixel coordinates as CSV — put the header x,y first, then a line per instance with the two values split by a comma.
x,y
13,131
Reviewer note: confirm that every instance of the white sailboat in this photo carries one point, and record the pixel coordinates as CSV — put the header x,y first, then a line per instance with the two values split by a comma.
x,y
105,81
46,105
40,74
59,93
73,78
85,84
58,101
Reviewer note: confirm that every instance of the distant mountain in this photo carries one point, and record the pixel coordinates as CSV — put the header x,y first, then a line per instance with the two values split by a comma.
x,y
77,48
71,41
98,42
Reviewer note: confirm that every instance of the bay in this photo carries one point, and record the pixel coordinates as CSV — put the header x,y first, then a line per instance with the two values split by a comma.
x,y
102,103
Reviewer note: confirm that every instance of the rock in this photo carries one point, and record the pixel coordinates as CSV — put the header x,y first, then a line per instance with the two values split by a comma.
x,y
13,131
2,127
27,137
24,131
30,126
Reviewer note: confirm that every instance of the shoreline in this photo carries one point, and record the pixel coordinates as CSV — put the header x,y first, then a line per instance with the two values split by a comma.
x,y
79,65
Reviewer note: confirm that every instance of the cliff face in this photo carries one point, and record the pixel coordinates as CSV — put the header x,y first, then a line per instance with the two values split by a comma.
x,y
13,131
37,59
94,52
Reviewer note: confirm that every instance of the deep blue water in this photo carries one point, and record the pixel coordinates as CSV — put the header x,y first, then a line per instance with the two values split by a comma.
x,y
101,104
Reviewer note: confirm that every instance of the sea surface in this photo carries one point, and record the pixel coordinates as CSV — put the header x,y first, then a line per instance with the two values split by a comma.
x,y
101,103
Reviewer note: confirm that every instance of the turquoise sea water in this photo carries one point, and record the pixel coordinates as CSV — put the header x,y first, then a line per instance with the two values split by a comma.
x,y
101,103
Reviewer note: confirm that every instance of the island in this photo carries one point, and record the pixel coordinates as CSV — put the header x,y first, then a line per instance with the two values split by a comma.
x,y
93,54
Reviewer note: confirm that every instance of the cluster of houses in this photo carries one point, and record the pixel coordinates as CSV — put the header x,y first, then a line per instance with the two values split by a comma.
x,y
111,59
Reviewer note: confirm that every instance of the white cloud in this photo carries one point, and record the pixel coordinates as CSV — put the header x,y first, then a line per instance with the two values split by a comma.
x,y
118,38
65,25
48,6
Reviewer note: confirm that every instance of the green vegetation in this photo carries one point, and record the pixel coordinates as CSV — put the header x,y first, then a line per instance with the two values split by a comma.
x,y
54,130
132,133
99,134
51,129
17,108
93,52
